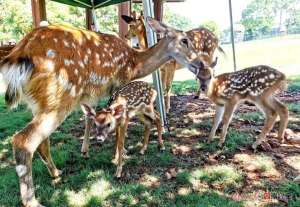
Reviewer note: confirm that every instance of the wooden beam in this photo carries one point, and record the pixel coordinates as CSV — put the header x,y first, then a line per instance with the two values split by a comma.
x,y
38,8
158,10
89,19
123,9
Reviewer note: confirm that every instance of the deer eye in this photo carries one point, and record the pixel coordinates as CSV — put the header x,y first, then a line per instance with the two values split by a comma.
x,y
108,125
185,42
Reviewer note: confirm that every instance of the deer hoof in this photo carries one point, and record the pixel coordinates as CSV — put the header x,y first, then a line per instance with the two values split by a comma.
x,y
142,151
85,155
57,173
162,148
34,203
118,173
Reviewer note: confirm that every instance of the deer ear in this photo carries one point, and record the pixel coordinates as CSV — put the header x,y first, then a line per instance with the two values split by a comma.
x,y
127,19
157,26
88,111
118,110
214,63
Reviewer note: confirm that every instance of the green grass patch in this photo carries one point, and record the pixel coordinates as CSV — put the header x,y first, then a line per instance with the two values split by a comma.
x,y
294,107
183,87
252,116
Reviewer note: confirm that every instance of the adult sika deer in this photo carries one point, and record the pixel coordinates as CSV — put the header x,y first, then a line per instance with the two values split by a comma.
x,y
256,84
204,41
134,99
56,68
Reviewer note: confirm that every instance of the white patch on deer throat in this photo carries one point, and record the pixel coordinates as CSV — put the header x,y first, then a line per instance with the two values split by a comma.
x,y
21,170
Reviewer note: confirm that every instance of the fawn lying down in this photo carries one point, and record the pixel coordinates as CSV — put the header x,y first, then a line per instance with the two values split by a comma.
x,y
256,84
134,99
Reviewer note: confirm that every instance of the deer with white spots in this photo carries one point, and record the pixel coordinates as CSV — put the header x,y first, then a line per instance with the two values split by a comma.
x,y
56,68
204,41
135,99
256,84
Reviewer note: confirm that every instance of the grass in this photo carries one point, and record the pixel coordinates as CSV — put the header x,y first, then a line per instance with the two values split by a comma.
x,y
91,183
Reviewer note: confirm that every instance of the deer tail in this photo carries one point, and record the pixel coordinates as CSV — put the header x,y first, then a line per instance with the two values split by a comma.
x,y
16,74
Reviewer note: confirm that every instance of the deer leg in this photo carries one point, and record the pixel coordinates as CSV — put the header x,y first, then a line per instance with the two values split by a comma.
x,y
44,151
168,87
227,117
283,112
115,159
86,139
270,115
147,124
25,144
159,131
121,140
216,122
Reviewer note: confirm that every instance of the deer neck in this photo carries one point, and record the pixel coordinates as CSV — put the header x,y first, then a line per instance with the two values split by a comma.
x,y
149,60
143,39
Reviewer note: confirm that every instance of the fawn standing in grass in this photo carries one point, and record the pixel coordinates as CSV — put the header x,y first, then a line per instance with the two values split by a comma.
x,y
134,99
255,84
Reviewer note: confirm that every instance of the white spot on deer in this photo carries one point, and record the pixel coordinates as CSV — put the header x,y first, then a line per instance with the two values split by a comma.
x,y
73,91
73,45
21,170
96,43
67,62
194,55
50,53
55,40
43,37
76,71
271,76
49,65
262,80
79,80
66,43
89,51
86,59
81,64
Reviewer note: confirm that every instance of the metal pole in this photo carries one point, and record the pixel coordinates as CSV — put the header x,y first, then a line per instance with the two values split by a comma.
x,y
96,24
232,35
152,40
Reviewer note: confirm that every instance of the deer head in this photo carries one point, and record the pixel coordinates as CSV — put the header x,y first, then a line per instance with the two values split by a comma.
x,y
136,25
106,120
205,74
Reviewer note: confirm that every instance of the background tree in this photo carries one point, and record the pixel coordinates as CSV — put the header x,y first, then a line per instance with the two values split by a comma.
x,y
258,18
212,26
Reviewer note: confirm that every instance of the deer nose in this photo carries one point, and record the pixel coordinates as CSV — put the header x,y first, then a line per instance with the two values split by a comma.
x,y
100,138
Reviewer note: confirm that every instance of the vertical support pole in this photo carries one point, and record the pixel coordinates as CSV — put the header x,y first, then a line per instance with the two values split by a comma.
x,y
232,35
38,8
152,40
123,9
89,19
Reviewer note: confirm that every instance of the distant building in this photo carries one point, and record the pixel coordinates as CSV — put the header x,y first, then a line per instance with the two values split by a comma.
x,y
239,32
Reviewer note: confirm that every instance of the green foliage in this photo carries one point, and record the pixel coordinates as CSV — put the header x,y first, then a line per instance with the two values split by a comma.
x,y
15,19
258,17
177,21
212,26
183,87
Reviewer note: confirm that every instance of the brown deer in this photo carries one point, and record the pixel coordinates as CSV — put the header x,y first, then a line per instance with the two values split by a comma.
x,y
204,41
56,68
134,99
256,84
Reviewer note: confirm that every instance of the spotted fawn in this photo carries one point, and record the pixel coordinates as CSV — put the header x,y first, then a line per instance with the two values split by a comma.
x,y
256,84
135,99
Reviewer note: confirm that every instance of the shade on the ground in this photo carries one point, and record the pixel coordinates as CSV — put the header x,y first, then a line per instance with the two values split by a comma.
x,y
90,3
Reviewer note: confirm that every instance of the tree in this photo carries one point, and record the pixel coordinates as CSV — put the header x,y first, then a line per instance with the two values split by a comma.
x,y
258,17
212,26
176,21
15,19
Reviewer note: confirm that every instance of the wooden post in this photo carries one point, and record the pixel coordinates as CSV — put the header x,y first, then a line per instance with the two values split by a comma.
x,y
88,19
38,8
123,9
158,10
